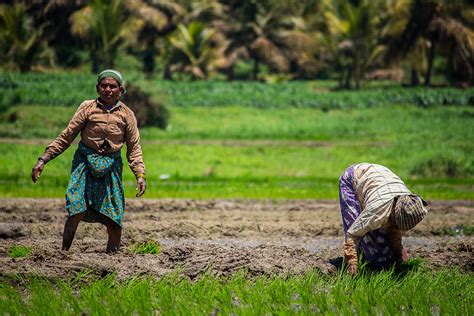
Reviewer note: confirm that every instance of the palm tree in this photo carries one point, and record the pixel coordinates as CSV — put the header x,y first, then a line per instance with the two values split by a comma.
x,y
194,51
21,45
100,23
260,30
304,50
52,16
447,29
353,27
397,16
149,22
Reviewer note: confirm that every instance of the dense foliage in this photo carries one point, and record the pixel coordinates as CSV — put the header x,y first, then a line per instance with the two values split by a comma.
x,y
350,40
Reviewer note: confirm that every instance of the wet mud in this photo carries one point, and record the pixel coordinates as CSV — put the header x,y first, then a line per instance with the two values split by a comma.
x,y
216,236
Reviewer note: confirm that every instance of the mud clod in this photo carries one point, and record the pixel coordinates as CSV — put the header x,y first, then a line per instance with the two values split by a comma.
x,y
13,230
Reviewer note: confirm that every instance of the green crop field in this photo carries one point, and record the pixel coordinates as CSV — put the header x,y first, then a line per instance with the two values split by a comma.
x,y
248,112
242,151
249,140
418,292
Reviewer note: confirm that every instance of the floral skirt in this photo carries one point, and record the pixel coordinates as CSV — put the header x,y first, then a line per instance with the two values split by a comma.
x,y
95,186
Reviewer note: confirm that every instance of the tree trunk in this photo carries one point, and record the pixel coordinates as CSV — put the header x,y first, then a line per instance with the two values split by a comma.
x,y
357,72
149,59
255,69
341,80
414,81
94,61
347,83
431,55
230,73
167,75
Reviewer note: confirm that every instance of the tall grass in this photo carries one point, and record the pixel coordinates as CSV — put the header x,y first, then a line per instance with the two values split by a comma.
x,y
445,292
69,89
305,94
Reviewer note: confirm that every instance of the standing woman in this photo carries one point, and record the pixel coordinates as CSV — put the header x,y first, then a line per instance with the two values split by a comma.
x,y
95,190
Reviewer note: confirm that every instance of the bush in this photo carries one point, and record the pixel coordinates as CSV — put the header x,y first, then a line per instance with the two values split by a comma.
x,y
443,165
147,111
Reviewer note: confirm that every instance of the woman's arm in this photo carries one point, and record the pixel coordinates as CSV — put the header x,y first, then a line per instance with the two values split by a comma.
x,y
395,241
134,152
62,142
67,136
350,253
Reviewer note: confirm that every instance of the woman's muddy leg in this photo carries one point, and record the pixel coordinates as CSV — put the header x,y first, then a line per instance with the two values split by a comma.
x,y
115,234
70,230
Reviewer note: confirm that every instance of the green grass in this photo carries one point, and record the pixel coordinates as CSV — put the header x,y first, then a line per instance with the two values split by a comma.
x,y
266,152
391,124
418,292
70,88
237,172
147,247
461,230
19,251
429,149
312,94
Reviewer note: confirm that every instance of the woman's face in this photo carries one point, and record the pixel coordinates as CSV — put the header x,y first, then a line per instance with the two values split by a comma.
x,y
109,90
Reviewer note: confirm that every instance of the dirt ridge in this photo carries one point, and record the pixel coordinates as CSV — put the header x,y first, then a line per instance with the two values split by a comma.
x,y
221,235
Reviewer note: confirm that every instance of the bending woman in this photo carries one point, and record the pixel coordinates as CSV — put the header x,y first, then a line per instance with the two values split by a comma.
x,y
95,190
376,208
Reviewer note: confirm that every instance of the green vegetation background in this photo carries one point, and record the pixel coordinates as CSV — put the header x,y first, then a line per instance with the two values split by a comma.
x,y
252,140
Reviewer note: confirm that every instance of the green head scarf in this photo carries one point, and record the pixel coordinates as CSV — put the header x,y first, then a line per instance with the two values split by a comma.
x,y
113,74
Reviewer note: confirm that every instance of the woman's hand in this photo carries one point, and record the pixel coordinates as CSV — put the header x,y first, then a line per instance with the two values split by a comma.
x,y
37,169
350,256
404,255
141,186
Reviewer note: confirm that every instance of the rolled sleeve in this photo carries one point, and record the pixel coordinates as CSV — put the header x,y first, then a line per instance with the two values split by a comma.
x,y
134,150
67,136
371,219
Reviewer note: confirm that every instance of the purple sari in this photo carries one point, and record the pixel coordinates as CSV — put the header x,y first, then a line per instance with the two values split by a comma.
x,y
374,245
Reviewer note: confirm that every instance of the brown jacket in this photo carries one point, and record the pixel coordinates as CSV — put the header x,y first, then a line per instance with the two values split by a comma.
x,y
102,130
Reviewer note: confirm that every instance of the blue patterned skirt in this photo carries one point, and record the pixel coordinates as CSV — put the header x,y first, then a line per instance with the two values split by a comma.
x,y
95,186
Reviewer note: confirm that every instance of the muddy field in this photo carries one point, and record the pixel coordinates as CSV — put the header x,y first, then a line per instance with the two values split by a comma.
x,y
222,236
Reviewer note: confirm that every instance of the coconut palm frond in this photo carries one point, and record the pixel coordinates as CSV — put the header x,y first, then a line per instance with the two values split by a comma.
x,y
376,55
149,14
458,41
82,22
264,49
52,5
196,51
21,45
172,6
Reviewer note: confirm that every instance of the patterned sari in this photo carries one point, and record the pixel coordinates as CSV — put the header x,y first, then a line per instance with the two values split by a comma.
x,y
95,186
374,245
